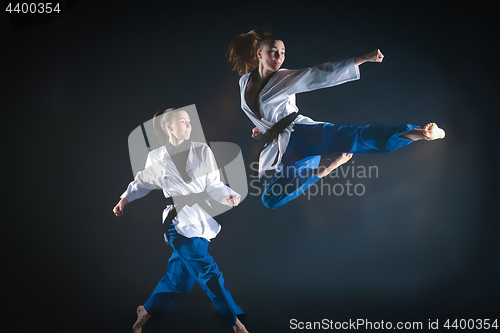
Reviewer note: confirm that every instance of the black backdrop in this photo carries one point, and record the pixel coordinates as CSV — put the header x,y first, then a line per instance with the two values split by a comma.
x,y
420,244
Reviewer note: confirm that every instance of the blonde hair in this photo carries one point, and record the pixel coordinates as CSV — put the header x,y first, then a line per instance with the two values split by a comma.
x,y
243,49
160,121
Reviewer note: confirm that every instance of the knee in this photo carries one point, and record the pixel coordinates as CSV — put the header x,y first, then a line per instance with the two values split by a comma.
x,y
215,283
270,201
180,284
210,277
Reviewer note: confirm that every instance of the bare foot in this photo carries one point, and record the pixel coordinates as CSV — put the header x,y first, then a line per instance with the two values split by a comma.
x,y
323,171
142,317
433,132
239,327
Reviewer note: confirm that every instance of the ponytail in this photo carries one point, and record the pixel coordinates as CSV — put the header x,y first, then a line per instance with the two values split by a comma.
x,y
243,50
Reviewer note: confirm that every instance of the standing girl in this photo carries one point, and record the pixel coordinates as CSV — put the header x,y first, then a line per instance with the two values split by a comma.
x,y
187,173
295,144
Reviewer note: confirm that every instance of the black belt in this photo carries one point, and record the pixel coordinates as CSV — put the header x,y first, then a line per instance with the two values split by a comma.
x,y
276,130
189,200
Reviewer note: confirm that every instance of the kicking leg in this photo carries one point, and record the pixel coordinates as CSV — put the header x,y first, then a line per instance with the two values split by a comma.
x,y
310,144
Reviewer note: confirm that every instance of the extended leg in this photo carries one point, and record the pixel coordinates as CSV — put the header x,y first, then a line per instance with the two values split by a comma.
x,y
369,139
310,144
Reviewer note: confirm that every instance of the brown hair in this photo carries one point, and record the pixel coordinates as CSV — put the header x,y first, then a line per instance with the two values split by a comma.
x,y
160,120
243,49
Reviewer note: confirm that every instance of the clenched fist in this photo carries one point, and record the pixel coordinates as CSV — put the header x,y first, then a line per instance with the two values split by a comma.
x,y
374,56
256,134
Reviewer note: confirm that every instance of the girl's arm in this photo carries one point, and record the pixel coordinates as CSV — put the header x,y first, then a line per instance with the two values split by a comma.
x,y
144,182
325,75
321,76
215,188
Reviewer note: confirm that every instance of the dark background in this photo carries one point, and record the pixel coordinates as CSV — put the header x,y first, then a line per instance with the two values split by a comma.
x,y
420,244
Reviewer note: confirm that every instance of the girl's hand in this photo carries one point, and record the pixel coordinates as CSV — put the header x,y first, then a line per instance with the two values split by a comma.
x,y
231,200
343,158
118,210
375,56
256,134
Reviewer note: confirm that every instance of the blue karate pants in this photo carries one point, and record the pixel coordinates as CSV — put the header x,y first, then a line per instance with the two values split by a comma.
x,y
309,142
191,262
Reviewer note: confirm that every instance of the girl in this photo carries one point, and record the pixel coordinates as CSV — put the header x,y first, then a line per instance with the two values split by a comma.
x,y
295,144
187,173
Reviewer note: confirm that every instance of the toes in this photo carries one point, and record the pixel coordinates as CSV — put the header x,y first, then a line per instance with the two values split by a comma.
x,y
432,132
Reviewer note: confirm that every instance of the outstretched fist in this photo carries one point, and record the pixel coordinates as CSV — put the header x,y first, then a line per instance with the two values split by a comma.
x,y
375,56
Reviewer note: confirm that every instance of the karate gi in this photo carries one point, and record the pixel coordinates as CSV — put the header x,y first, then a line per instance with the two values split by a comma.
x,y
302,146
190,231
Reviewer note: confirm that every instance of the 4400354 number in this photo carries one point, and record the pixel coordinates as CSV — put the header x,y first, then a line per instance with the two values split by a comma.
x,y
470,324
33,8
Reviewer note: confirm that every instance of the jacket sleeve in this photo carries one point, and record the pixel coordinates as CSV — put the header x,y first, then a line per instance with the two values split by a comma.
x,y
215,187
322,76
144,182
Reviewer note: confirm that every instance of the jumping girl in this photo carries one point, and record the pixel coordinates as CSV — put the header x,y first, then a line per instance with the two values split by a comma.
x,y
298,150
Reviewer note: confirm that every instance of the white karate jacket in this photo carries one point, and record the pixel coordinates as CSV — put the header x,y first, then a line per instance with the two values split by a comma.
x,y
160,171
277,100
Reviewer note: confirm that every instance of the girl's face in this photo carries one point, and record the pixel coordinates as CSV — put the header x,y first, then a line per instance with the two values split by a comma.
x,y
180,126
272,55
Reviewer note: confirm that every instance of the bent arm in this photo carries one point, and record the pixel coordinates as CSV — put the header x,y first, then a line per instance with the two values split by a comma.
x,y
137,189
215,187
133,192
144,182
